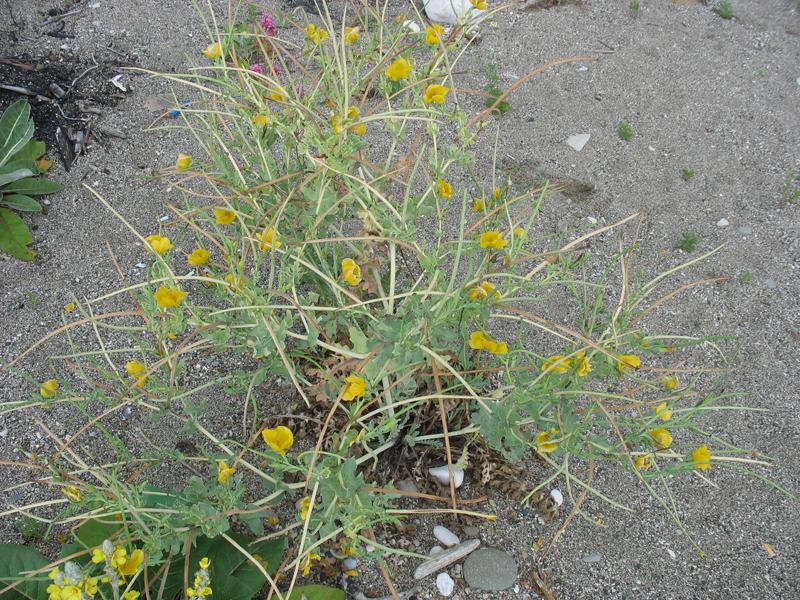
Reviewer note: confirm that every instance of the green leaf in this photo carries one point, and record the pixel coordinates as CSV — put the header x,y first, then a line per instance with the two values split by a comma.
x,y
315,592
12,176
17,559
15,237
33,150
16,130
21,203
89,535
232,575
33,186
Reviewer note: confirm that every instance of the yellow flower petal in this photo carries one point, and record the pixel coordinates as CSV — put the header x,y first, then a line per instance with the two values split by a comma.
x,y
662,438
259,120
702,456
444,189
480,341
223,216
48,388
198,256
224,473
213,51
557,363
269,240
279,438
356,388
670,382
544,443
159,244
627,361
183,162
662,412
435,94
642,462
582,365
169,297
432,34
351,272
351,35
493,239
205,562
398,70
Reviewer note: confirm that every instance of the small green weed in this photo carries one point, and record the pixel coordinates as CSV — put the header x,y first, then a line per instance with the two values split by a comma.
x,y
31,299
625,131
746,277
493,89
31,530
790,191
724,10
688,242
687,174
635,6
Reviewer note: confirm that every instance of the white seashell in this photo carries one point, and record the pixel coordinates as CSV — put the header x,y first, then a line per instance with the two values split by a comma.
x,y
442,475
445,559
435,551
450,11
444,535
412,26
445,584
557,497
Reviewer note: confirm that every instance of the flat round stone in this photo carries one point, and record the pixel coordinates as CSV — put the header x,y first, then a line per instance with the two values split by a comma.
x,y
490,569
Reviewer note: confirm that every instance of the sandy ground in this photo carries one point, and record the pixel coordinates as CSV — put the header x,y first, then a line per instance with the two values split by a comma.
x,y
718,97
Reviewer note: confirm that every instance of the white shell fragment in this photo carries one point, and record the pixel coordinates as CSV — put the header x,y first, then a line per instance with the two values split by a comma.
x,y
445,584
411,26
578,141
557,497
450,11
442,475
444,535
445,559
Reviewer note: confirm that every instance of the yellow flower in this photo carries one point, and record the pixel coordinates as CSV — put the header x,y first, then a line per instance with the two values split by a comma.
x,y
183,162
131,595
557,364
223,216
479,4
356,388
662,412
398,70
98,556
315,34
131,563
158,243
521,233
351,573
496,193
48,388
118,557
259,120
137,370
213,51
198,256
627,361
702,457
307,563
483,290
351,35
480,341
352,114
205,562
432,34
72,493
235,281
269,240
670,382
336,124
277,96
305,507
71,592
351,272
53,573
70,307
90,585
169,297
662,438
224,472
279,438
478,204
54,591
544,443
435,94
642,462
582,365
444,189
493,239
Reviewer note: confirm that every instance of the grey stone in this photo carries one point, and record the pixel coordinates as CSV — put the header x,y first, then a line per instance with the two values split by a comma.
x,y
407,485
772,284
592,557
471,531
490,569
745,230
578,141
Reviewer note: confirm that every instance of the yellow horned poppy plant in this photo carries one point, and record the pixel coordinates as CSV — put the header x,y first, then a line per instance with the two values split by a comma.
x,y
484,290
223,216
356,388
627,361
351,272
557,363
444,189
662,438
480,341
433,33
169,297
316,34
544,443
48,388
198,256
493,239
159,243
183,162
279,438
435,94
224,471
259,120
269,240
351,35
398,70
702,457
212,51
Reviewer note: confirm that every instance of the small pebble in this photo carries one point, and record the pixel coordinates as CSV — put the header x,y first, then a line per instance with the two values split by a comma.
x,y
406,485
557,497
471,532
671,553
350,563
490,569
592,557
723,222
445,584
578,141
444,535
592,220
435,551
745,230
442,475
771,284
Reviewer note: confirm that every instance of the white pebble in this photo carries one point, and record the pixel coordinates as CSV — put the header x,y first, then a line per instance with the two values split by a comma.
x,y
671,553
444,535
592,220
411,25
350,563
435,551
557,497
578,141
450,11
442,475
723,222
445,584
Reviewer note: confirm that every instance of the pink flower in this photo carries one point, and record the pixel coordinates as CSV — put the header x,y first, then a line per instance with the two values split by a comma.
x,y
257,68
276,69
268,24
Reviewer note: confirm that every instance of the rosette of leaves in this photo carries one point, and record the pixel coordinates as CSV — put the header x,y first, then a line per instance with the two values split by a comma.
x,y
21,166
